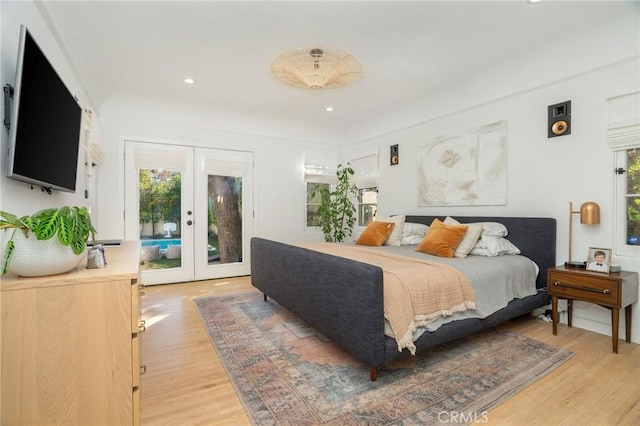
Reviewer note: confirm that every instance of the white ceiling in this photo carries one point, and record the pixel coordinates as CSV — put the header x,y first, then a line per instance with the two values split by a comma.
x,y
408,49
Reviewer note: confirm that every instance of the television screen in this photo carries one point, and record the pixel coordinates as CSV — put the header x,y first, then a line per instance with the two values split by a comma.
x,y
44,132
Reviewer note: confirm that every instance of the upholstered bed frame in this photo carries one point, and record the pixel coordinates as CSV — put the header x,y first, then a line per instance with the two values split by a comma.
x,y
343,298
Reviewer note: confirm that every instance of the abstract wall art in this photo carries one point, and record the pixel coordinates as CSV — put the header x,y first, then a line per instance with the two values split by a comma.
x,y
464,169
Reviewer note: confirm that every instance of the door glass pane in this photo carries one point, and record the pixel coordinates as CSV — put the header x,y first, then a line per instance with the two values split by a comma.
x,y
224,219
160,207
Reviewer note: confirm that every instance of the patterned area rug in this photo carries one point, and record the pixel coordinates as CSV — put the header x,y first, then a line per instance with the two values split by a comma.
x,y
286,373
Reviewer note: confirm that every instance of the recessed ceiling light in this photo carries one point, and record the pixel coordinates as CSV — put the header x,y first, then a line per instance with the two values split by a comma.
x,y
189,80
329,109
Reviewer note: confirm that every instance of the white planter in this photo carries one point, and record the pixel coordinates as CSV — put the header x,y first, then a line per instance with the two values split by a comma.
x,y
36,258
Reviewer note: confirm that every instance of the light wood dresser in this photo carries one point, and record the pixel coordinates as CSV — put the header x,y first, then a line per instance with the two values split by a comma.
x,y
70,345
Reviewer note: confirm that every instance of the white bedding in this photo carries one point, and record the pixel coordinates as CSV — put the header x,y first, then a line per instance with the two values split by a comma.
x,y
495,280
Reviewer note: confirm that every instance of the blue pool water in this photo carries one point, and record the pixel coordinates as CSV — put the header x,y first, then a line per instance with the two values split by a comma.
x,y
164,243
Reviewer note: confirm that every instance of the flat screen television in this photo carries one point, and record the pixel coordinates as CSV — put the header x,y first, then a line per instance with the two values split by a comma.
x,y
45,121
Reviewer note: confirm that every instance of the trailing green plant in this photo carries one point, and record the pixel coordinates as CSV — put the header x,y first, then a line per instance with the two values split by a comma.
x,y
336,211
70,225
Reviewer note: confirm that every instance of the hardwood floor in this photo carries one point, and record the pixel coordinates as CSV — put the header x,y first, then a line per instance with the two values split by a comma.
x,y
185,384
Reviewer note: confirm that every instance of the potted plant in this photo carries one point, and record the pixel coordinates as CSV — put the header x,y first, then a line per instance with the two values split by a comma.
x,y
50,241
336,210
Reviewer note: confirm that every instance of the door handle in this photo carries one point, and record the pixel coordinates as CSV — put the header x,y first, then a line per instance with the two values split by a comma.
x,y
189,222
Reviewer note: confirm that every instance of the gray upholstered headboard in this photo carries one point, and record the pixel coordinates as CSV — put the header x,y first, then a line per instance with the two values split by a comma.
x,y
534,236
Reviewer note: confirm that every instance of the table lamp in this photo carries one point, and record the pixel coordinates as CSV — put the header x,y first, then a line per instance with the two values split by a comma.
x,y
589,215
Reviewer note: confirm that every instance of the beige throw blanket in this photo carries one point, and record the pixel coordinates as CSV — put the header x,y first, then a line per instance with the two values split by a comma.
x,y
415,292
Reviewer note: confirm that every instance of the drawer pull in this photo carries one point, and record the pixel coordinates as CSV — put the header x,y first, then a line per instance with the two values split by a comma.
x,y
143,369
593,290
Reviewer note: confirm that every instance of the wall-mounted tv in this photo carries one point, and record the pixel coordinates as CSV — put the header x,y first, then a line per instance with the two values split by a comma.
x,y
44,129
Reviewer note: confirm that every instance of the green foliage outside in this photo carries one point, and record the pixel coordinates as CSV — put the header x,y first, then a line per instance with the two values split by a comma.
x,y
314,199
160,194
160,201
161,263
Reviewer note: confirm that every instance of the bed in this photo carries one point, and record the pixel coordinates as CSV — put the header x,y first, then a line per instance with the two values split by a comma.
x,y
344,298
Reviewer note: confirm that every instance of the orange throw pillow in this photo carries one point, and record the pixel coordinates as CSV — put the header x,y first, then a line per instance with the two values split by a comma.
x,y
442,240
375,234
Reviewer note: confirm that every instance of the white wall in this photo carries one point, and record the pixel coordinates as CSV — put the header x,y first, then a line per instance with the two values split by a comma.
x,y
544,174
613,40
278,179
17,197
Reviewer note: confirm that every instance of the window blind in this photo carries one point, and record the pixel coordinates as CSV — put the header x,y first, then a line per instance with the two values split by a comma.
x,y
623,105
320,166
365,170
237,166
159,158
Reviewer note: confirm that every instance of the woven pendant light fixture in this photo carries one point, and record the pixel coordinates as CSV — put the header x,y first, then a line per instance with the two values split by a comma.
x,y
316,68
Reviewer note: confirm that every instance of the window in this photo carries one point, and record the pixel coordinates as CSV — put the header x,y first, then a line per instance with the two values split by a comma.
x,y
628,202
365,167
367,205
314,190
319,173
632,195
623,137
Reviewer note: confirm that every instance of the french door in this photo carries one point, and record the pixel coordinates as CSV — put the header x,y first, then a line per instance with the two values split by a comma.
x,y
191,208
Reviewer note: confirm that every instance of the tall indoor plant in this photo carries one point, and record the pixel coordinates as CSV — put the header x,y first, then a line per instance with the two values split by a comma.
x,y
336,210
71,227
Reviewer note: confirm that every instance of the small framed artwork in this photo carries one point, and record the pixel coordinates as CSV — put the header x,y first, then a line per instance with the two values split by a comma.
x,y
599,259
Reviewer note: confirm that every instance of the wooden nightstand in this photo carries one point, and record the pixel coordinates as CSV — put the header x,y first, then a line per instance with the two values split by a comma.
x,y
614,291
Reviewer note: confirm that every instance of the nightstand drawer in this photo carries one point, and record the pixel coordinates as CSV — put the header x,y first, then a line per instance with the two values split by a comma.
x,y
588,288
615,291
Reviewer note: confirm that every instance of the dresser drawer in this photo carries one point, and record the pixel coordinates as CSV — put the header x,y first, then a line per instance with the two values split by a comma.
x,y
584,287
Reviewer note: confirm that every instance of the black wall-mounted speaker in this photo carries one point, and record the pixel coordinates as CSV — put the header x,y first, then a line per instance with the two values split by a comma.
x,y
393,155
559,120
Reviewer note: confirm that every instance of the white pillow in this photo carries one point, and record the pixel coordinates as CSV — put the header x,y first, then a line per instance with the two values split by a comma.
x,y
494,246
469,239
396,235
412,240
413,233
493,229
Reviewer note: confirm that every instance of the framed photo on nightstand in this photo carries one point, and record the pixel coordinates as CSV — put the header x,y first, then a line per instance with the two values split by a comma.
x,y
599,259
